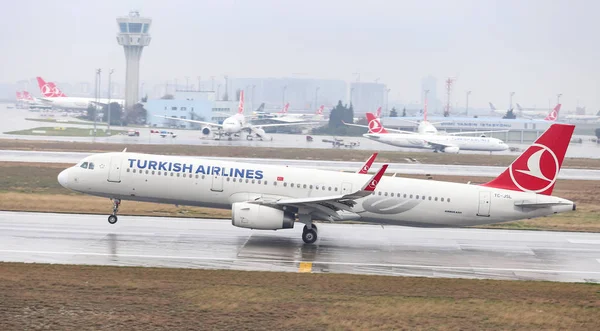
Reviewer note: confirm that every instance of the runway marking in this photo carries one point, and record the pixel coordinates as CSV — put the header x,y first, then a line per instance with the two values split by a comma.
x,y
305,267
386,265
583,241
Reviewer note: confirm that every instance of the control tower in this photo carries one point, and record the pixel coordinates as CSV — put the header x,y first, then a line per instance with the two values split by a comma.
x,y
133,36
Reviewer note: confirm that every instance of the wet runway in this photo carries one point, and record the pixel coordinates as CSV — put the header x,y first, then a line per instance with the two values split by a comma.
x,y
359,249
399,168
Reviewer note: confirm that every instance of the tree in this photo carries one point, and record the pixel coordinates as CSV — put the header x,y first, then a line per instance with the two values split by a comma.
x,y
404,112
145,98
136,115
394,112
168,97
510,115
598,133
116,113
90,111
336,116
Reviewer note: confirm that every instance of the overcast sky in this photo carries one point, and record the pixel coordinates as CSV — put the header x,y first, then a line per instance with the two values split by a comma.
x,y
533,47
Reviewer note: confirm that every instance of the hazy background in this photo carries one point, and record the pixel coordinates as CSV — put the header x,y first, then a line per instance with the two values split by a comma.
x,y
535,48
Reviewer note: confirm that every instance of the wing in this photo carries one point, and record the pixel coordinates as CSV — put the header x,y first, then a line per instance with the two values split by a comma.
x,y
473,132
329,207
190,121
366,127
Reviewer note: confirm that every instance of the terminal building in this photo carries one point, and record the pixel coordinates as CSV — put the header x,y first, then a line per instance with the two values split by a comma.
x,y
196,105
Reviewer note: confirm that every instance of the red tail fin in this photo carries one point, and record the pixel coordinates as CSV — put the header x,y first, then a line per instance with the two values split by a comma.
x,y
537,168
241,105
378,113
365,168
27,96
19,96
374,124
425,111
56,92
553,114
285,108
320,110
45,88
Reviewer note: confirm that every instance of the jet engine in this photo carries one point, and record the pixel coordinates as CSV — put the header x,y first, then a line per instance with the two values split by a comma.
x,y
451,150
260,133
255,216
206,130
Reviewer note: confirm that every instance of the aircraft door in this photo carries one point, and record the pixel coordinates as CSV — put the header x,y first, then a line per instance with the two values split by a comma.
x,y
484,204
346,188
114,170
217,183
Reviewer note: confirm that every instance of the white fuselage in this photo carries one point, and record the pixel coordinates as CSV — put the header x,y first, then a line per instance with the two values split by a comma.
x,y
219,184
77,102
234,124
428,141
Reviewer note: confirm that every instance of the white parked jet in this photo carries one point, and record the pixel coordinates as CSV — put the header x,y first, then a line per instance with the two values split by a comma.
x,y
52,95
269,197
235,125
448,143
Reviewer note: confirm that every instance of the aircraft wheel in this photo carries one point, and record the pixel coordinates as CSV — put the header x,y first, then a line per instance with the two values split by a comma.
x,y
112,219
309,236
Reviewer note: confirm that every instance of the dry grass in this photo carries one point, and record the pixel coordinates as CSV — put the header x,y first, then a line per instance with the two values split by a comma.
x,y
58,297
33,187
283,153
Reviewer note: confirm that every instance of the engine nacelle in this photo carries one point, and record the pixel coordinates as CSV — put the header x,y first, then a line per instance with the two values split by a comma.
x,y
255,216
451,150
206,130
260,133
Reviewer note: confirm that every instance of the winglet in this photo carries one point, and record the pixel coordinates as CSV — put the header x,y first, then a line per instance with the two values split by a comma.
x,y
125,150
371,185
365,168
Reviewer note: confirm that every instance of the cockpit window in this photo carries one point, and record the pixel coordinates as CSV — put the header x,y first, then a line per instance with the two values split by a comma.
x,y
91,166
84,165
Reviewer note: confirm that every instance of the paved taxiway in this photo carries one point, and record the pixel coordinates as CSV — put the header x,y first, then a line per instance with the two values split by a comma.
x,y
399,168
360,249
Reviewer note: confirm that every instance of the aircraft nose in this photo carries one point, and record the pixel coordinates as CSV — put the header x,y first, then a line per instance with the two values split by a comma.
x,y
63,178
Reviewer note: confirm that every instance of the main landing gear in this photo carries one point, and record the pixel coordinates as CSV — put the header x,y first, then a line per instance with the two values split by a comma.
x,y
112,219
309,233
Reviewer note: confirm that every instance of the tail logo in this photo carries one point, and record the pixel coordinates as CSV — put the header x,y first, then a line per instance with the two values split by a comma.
x,y
374,126
552,116
538,173
366,168
47,90
373,184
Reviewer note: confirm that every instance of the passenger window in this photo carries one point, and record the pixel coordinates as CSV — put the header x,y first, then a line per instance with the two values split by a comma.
x,y
228,178
448,200
84,165
153,172
253,181
265,182
392,194
171,174
335,189
203,176
442,199
423,197
196,176
284,184
177,174
304,186
429,198
128,170
91,166
147,172
329,188
134,171
385,194
435,199
404,195
247,180
417,197
183,175
311,187
292,185
411,196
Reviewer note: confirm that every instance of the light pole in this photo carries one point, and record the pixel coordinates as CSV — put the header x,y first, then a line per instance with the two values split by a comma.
x,y
98,84
108,107
511,96
351,92
317,97
218,92
283,97
212,83
227,87
558,98
467,105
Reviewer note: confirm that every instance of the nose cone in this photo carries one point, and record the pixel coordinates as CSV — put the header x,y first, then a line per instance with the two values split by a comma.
x,y
63,178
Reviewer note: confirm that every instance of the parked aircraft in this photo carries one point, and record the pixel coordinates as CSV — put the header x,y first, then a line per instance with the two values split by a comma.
x,y
52,95
234,126
448,143
270,197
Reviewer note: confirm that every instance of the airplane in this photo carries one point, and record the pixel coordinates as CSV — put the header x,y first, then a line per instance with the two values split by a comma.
x,y
532,111
51,94
272,197
522,112
449,143
286,117
25,100
235,125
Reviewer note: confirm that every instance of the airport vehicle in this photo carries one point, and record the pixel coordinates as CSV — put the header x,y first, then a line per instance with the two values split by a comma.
x,y
52,95
270,197
234,126
133,133
448,143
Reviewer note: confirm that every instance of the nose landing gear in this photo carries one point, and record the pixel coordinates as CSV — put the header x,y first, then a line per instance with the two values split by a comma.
x,y
112,219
